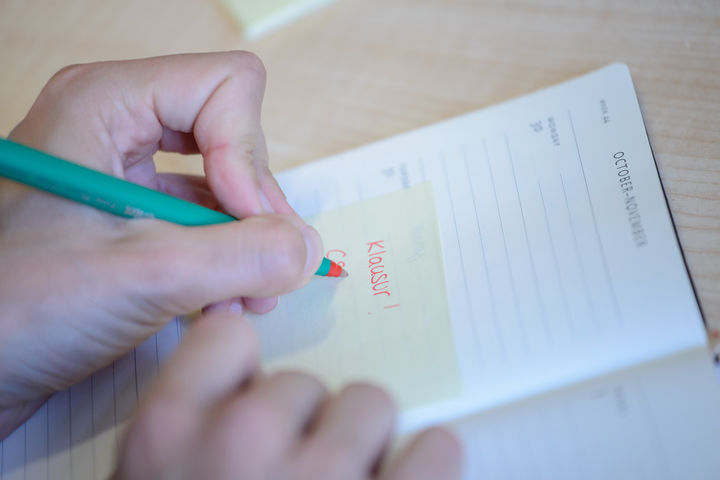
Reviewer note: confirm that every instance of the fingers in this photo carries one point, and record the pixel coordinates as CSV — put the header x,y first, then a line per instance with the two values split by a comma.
x,y
433,454
220,354
234,305
292,396
269,418
215,359
175,269
218,97
180,142
193,188
113,115
350,434
211,413
270,192
261,305
238,305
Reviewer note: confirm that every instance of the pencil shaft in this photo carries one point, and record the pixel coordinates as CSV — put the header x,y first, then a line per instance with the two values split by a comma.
x,y
105,192
108,193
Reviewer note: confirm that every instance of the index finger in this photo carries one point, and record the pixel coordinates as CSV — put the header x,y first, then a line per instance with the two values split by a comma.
x,y
218,98
220,354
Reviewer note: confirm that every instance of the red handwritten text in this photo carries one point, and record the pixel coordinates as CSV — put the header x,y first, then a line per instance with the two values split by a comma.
x,y
335,255
378,278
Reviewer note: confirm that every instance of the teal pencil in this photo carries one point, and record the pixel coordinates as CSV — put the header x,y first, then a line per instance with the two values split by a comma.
x,y
111,194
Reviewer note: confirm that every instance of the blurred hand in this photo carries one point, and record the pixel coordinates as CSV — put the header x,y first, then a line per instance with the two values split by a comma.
x,y
80,287
211,414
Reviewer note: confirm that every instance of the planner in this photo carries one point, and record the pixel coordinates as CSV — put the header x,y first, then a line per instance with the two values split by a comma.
x,y
514,275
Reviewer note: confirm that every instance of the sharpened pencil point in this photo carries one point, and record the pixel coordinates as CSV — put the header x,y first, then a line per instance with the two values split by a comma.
x,y
328,268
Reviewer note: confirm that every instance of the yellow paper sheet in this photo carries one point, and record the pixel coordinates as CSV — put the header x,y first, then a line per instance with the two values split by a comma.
x,y
259,17
388,321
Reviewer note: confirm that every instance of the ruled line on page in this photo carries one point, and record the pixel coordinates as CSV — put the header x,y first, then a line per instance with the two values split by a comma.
x,y
157,355
553,249
518,317
47,439
92,422
598,238
581,264
62,444
25,435
488,282
135,376
114,396
70,424
462,260
533,268
35,457
59,435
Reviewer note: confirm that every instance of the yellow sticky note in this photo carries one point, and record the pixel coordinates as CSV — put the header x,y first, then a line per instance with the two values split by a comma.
x,y
258,17
388,321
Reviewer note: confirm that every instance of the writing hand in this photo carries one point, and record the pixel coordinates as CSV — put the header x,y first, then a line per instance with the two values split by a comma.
x,y
79,287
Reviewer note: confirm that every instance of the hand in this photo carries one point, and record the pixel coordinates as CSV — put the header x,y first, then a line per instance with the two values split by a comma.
x,y
211,414
80,287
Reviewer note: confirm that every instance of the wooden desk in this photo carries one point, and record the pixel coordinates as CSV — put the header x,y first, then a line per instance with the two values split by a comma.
x,y
359,71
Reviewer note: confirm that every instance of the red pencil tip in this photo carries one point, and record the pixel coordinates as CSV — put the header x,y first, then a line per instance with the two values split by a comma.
x,y
335,270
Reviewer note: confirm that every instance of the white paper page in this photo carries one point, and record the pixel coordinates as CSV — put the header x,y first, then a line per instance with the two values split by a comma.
x,y
546,282
656,421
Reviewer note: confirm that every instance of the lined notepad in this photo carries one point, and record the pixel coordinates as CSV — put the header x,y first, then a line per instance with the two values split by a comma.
x,y
578,347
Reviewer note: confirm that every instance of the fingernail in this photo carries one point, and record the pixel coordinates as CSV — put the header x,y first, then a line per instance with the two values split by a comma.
x,y
236,307
313,249
265,203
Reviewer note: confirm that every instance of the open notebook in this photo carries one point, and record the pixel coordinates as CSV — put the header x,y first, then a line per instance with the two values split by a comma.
x,y
514,273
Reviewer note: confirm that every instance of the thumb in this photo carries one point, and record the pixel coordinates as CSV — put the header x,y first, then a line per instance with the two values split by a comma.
x,y
177,269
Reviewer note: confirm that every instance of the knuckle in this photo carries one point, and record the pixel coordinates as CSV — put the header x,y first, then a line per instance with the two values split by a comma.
x,y
373,400
301,381
444,442
253,422
324,461
256,413
69,73
65,77
248,62
338,464
440,451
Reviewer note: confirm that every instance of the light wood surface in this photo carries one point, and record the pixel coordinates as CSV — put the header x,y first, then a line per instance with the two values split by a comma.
x,y
361,70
